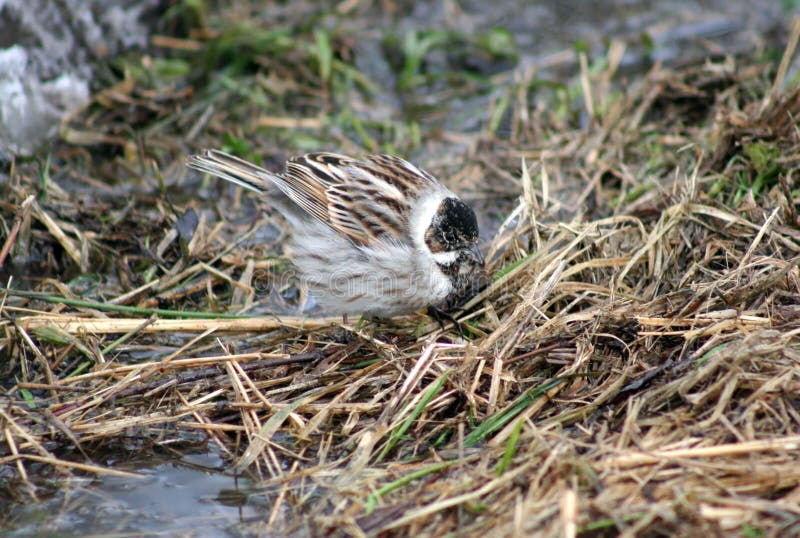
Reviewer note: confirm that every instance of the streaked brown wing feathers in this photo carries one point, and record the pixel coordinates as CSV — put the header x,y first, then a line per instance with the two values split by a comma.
x,y
363,200
305,188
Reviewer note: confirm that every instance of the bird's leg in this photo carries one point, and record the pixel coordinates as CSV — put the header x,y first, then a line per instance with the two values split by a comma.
x,y
441,315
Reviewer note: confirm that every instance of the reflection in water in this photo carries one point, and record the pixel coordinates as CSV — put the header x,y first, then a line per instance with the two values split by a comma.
x,y
190,497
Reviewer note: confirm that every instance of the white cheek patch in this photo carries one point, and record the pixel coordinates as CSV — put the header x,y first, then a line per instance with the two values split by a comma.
x,y
422,215
445,258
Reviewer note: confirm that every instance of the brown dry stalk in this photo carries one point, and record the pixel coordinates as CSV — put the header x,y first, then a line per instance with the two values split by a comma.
x,y
19,217
790,444
78,325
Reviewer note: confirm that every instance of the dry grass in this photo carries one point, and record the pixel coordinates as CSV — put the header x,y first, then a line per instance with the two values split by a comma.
x,y
634,369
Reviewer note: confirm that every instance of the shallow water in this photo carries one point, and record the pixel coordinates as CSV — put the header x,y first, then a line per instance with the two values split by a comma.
x,y
191,496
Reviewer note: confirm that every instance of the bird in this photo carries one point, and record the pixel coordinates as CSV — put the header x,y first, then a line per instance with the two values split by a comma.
x,y
376,237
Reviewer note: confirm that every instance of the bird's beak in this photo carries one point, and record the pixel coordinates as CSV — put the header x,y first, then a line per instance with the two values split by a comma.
x,y
480,279
476,254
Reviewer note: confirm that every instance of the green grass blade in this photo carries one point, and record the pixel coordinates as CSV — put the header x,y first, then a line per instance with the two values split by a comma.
x,y
494,423
79,303
433,390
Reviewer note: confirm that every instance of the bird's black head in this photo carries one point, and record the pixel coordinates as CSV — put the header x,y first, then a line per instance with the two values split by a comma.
x,y
454,227
452,239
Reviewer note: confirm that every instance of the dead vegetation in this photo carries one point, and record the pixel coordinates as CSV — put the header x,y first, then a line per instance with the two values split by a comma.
x,y
634,369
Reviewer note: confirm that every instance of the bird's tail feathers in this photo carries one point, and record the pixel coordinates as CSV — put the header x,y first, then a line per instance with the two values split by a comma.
x,y
233,169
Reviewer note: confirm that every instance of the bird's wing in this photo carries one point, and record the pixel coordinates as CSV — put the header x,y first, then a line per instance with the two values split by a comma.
x,y
367,201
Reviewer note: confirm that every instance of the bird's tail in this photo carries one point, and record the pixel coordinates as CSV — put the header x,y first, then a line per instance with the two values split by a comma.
x,y
233,169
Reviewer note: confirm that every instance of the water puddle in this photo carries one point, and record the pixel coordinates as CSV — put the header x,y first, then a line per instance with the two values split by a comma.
x,y
195,495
